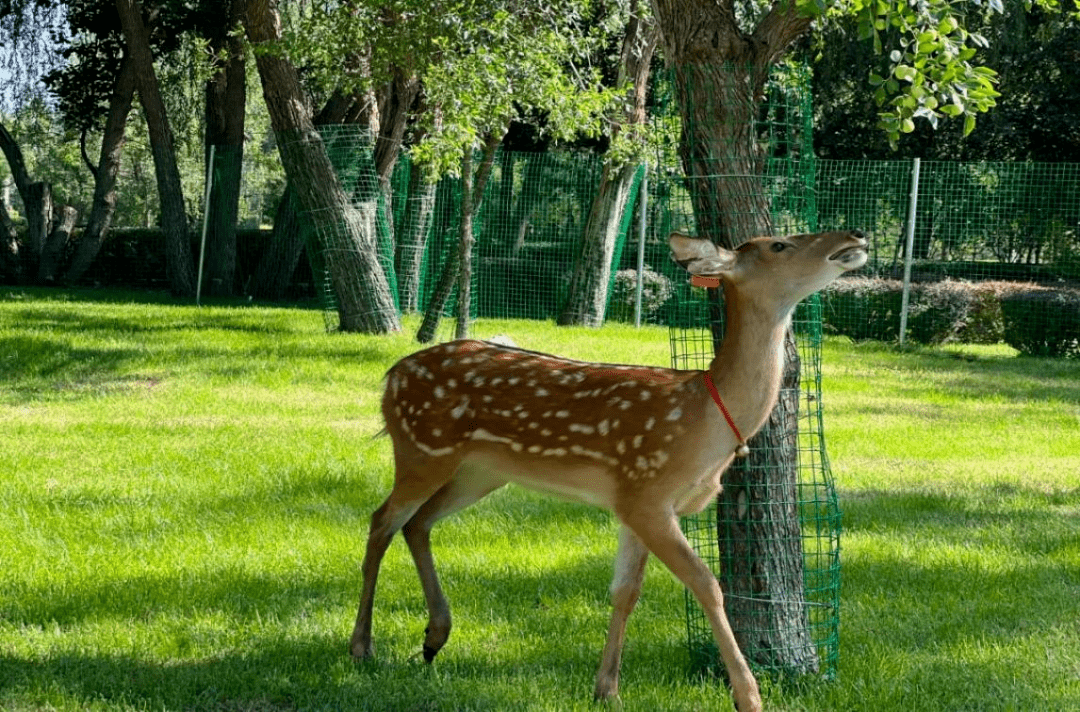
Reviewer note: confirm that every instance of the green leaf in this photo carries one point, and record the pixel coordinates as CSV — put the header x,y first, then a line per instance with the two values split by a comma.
x,y
969,124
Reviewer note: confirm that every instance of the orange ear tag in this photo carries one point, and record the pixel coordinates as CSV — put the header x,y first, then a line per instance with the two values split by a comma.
x,y
708,282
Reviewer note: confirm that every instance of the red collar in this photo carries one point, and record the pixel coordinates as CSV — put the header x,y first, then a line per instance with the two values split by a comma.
x,y
742,450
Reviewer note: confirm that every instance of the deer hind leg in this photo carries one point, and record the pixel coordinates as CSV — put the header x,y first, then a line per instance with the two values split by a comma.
x,y
467,486
625,588
661,534
413,486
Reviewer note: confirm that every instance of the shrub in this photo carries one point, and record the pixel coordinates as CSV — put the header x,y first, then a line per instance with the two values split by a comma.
x,y
1043,322
863,308
656,290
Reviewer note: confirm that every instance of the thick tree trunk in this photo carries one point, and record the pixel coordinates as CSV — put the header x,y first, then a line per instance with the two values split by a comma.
x,y
411,239
760,537
345,234
9,244
108,167
279,260
179,263
586,302
719,74
38,203
53,250
225,102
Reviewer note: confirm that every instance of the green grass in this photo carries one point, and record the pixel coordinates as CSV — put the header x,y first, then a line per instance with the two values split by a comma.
x,y
184,497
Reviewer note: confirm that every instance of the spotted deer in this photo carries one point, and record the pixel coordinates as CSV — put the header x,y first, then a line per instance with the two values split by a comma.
x,y
649,444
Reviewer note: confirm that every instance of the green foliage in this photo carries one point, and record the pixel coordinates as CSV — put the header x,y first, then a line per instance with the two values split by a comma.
x,y
935,69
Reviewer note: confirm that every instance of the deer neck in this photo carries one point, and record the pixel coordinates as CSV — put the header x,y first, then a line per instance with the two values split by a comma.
x,y
749,364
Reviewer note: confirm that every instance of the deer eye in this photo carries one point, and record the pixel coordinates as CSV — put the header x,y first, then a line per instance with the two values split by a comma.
x,y
778,246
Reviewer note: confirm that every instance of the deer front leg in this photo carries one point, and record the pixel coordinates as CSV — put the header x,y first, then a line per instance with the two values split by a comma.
x,y
661,534
625,588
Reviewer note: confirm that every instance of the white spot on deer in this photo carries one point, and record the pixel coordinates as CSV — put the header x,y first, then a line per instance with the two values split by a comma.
x,y
546,433
516,446
481,434
459,410
514,381
638,439
620,447
603,427
625,405
658,458
675,414
583,429
555,451
436,433
433,452
563,414
440,392
645,395
641,463
535,449
451,383
650,423
542,393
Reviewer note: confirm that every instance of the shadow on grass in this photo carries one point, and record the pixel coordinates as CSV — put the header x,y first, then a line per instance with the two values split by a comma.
x,y
987,568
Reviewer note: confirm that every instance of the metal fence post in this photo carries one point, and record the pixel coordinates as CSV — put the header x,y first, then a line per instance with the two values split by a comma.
x,y
909,247
643,191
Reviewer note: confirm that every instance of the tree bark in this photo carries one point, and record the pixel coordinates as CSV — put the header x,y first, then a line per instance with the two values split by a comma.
x,y
9,244
225,103
458,267
411,239
108,167
179,263
586,303
278,262
62,225
346,235
719,73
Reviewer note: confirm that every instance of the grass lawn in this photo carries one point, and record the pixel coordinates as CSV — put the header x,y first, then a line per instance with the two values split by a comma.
x,y
185,492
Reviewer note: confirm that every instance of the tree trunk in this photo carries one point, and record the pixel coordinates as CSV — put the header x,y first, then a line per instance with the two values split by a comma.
x,y
108,167
719,74
178,259
412,239
586,302
466,240
38,203
53,250
10,268
471,197
761,556
225,103
345,234
279,260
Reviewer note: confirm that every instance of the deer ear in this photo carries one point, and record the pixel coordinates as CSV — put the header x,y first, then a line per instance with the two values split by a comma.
x,y
701,257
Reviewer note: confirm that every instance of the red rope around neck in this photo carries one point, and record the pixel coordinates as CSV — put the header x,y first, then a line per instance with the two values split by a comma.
x,y
742,450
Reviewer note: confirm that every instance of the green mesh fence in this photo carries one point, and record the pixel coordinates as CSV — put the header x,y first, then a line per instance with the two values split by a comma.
x,y
991,253
772,538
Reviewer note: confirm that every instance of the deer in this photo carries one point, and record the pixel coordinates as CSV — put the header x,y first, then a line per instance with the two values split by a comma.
x,y
648,443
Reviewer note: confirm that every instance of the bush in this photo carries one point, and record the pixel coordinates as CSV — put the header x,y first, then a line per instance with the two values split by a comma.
x,y
1043,322
656,290
863,308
